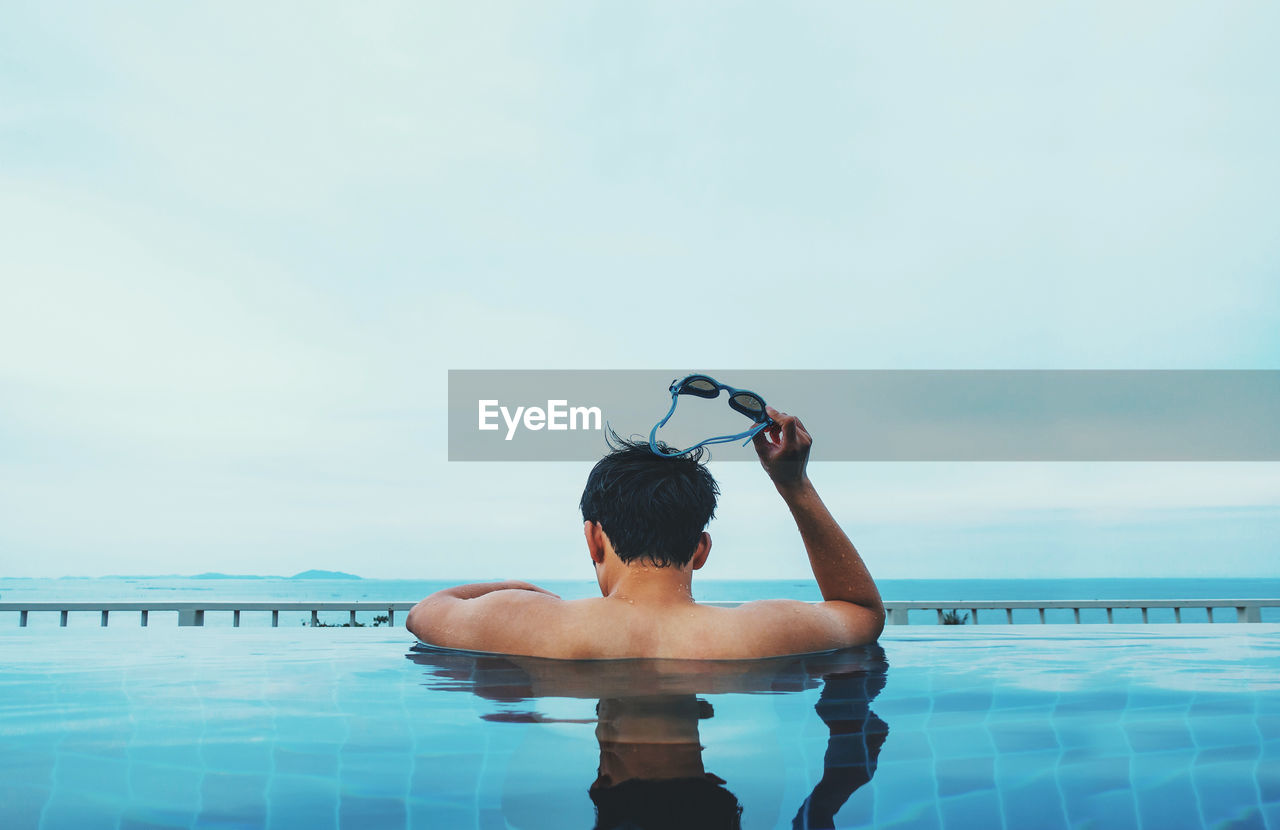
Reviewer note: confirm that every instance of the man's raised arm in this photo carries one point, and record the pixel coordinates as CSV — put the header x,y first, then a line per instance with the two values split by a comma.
x,y
842,577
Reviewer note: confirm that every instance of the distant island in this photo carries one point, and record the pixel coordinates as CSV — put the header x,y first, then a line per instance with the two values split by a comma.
x,y
311,574
315,574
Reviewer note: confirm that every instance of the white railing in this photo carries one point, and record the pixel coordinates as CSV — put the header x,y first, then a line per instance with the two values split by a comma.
x,y
191,613
1247,610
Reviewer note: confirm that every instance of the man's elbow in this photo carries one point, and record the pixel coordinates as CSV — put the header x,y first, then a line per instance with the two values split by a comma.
x,y
858,623
877,622
418,620
870,623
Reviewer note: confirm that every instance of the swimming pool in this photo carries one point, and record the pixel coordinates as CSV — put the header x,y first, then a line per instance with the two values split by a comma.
x,y
966,727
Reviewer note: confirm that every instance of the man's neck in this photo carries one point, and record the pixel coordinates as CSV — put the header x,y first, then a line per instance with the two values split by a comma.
x,y
647,585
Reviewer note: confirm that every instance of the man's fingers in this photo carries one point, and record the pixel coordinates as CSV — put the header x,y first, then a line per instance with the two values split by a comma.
x,y
780,419
784,425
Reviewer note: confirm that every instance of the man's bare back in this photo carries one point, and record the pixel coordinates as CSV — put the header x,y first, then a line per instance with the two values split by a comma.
x,y
648,611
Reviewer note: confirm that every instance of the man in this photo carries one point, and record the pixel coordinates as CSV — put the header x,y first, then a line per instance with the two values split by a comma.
x,y
644,518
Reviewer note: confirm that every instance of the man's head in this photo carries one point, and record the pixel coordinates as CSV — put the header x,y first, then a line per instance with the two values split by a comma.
x,y
653,509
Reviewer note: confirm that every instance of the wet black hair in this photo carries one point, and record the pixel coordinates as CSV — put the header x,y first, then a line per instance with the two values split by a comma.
x,y
667,804
650,506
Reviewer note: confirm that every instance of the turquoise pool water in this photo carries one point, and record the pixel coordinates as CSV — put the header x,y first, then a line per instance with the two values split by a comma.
x,y
968,727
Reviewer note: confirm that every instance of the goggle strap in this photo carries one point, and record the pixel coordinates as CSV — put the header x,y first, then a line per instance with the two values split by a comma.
x,y
719,439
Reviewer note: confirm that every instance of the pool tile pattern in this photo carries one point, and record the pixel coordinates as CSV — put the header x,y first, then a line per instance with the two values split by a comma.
x,y
1118,727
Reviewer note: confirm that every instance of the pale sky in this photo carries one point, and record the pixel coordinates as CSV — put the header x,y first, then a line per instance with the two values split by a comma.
x,y
242,246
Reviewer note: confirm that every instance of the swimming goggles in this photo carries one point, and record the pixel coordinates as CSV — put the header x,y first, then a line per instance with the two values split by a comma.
x,y
705,386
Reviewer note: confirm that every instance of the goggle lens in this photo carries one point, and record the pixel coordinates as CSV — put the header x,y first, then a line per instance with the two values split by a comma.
x,y
747,404
702,387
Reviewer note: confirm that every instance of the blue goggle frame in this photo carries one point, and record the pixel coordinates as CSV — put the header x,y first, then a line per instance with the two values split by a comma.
x,y
705,386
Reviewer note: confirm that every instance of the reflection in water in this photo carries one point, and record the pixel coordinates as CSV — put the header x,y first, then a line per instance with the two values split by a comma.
x,y
856,735
650,772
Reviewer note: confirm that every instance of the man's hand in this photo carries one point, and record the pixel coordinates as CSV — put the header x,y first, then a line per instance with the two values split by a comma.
x,y
476,590
783,448
479,589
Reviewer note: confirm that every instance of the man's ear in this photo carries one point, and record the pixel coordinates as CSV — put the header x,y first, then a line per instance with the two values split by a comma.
x,y
702,551
595,540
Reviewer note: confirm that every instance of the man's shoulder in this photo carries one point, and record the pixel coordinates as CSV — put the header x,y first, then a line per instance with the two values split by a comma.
x,y
771,604
781,608
503,621
500,606
791,626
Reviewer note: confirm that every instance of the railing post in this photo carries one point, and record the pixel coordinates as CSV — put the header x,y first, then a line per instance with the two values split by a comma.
x,y
391,616
1177,614
939,616
275,619
63,620
1077,613
1249,614
315,618
1041,616
353,618
1110,618
22,619
104,618
1008,612
1144,615
144,618
235,618
1209,610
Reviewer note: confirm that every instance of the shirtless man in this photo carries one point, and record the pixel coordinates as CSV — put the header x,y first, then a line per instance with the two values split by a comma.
x,y
644,520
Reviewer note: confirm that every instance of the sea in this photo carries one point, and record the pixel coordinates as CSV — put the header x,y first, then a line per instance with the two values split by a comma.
x,y
305,588
326,587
